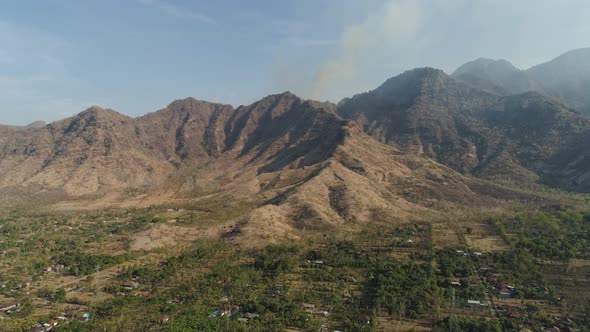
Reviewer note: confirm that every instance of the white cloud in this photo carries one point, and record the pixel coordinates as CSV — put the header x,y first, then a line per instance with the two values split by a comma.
x,y
177,11
381,34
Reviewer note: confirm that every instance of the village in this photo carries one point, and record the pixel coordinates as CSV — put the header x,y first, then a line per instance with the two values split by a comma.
x,y
387,278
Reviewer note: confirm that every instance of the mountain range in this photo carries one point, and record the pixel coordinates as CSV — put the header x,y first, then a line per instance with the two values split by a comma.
x,y
421,140
566,77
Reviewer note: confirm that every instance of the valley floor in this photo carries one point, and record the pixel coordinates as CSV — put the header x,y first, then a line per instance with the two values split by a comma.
x,y
178,268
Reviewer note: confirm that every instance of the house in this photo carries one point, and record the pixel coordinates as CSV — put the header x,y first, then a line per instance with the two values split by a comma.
x,y
227,310
474,302
320,312
308,307
86,317
50,325
363,319
243,320
130,285
9,308
36,328
55,268
505,290
455,284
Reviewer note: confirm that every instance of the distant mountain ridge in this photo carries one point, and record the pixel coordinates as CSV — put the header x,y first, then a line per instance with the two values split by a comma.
x,y
526,137
36,124
566,77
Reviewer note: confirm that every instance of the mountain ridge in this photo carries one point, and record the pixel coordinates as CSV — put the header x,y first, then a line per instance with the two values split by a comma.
x,y
566,77
469,129
422,113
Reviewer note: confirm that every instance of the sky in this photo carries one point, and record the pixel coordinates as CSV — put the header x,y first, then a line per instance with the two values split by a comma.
x,y
59,57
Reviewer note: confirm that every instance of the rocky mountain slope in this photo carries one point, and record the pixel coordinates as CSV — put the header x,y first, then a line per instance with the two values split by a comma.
x,y
566,77
302,164
525,137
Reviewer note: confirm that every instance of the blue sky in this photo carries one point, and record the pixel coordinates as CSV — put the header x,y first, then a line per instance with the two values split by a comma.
x,y
58,57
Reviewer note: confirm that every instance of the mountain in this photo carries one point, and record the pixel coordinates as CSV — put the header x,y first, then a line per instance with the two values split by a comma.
x,y
81,155
566,77
496,76
297,161
524,138
36,124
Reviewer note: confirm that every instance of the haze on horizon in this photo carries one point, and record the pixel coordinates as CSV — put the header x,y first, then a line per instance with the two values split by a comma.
x,y
59,57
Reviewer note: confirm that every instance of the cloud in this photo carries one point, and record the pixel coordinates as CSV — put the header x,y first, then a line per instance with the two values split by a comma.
x,y
378,36
177,11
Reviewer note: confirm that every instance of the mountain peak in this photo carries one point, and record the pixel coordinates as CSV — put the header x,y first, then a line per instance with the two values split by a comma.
x,y
190,103
36,124
498,77
97,111
99,114
286,98
419,74
94,109
425,72
484,67
404,84
286,95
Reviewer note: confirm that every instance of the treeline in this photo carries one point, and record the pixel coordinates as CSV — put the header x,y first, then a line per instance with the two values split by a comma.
x,y
555,235
79,263
465,324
